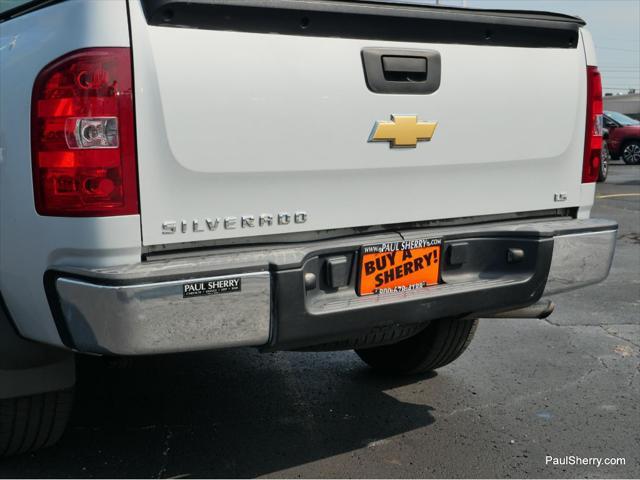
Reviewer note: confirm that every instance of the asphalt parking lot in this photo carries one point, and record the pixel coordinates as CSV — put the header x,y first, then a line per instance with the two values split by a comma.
x,y
525,390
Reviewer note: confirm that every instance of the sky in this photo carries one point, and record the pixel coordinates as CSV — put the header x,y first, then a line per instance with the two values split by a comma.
x,y
614,25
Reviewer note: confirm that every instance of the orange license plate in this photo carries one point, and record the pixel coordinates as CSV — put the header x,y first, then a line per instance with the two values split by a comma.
x,y
399,266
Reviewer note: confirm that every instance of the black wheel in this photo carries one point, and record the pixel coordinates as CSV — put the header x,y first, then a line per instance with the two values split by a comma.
x,y
605,157
631,153
436,346
33,422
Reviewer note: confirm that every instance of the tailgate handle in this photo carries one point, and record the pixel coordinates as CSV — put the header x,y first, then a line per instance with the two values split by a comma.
x,y
408,71
404,69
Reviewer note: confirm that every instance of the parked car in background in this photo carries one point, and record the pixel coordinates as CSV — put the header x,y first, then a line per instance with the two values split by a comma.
x,y
624,137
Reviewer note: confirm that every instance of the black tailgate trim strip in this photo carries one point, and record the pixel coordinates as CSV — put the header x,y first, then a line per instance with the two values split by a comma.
x,y
369,20
26,7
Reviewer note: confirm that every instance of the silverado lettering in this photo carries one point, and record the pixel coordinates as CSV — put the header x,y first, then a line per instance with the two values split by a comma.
x,y
230,223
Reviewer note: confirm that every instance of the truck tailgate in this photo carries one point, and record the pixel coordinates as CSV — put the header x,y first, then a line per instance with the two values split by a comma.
x,y
246,133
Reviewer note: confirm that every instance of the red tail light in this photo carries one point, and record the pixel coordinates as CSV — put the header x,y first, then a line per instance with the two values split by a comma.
x,y
593,134
82,135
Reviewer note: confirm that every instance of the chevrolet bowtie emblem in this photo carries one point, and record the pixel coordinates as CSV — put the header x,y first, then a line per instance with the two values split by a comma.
x,y
402,131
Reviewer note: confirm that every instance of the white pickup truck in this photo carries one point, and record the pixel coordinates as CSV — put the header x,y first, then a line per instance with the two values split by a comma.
x,y
286,175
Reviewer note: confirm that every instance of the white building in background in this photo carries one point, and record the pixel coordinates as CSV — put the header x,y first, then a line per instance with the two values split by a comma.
x,y
629,104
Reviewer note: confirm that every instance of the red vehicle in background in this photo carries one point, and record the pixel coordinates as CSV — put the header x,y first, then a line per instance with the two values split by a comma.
x,y
623,139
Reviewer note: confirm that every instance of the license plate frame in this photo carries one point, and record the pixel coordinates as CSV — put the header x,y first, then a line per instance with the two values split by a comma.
x,y
387,268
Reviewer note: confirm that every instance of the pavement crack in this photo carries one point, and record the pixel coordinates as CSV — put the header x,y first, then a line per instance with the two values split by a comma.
x,y
632,378
614,334
548,320
166,447
603,327
520,398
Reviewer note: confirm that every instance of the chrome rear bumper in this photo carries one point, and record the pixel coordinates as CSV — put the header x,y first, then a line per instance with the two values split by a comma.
x,y
142,309
134,319
580,259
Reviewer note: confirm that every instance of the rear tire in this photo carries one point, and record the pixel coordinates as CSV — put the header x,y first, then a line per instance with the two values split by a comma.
x,y
631,153
436,346
33,422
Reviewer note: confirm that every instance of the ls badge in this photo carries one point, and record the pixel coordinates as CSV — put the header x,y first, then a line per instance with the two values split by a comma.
x,y
402,131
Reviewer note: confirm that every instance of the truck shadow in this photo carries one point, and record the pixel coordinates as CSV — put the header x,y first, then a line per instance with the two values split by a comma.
x,y
222,414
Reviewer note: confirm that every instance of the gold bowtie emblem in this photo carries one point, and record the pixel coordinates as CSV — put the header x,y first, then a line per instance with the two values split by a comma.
x,y
402,131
